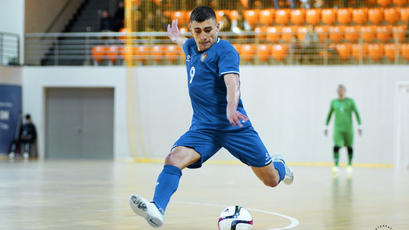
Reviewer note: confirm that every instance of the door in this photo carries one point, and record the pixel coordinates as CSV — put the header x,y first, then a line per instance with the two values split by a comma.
x,y
79,123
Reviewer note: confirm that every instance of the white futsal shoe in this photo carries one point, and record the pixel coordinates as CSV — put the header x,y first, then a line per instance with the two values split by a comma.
x,y
12,155
335,170
289,174
147,210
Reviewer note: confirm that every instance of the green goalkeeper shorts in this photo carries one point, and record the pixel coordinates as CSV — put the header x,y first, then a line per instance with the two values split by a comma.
x,y
344,138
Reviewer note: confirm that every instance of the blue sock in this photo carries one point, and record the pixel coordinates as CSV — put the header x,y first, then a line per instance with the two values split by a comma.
x,y
166,185
280,168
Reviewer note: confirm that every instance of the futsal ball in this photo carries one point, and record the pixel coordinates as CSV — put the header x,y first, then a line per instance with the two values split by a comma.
x,y
235,218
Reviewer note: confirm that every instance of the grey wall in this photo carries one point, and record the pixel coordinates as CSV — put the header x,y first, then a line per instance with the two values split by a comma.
x,y
11,75
40,14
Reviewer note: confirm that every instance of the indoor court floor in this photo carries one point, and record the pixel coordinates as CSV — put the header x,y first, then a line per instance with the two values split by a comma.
x,y
94,195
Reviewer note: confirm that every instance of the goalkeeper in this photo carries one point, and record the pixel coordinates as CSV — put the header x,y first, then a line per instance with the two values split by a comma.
x,y
343,127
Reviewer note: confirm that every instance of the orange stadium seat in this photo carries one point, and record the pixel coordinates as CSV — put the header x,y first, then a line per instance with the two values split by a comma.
x,y
157,52
237,47
125,52
252,17
98,53
188,15
400,2
279,52
336,33
384,33
157,2
298,16
404,15
181,16
399,32
390,51
267,16
359,50
375,51
167,13
313,16
274,33
141,52
344,16
371,3
360,16
352,33
122,36
263,52
328,16
384,3
391,15
282,16
234,14
245,3
220,13
404,50
368,33
111,53
322,32
172,52
288,32
344,51
260,32
247,52
301,32
183,30
375,15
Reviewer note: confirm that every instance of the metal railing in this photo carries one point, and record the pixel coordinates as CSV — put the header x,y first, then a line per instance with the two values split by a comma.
x,y
9,49
285,47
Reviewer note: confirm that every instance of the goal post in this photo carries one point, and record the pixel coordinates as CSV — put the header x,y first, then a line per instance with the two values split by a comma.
x,y
401,126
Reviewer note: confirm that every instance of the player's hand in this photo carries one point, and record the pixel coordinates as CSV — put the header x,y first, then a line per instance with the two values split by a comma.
x,y
173,31
360,131
235,117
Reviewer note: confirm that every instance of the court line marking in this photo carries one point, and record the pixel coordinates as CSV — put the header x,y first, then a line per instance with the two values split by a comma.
x,y
293,221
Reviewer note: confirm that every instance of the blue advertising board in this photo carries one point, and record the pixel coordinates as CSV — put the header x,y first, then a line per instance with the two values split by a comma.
x,y
10,110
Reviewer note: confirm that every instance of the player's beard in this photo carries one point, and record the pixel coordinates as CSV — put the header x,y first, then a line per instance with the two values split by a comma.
x,y
207,45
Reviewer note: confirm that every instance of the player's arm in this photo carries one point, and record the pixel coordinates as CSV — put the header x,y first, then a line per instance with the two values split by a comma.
x,y
331,110
233,96
175,35
357,116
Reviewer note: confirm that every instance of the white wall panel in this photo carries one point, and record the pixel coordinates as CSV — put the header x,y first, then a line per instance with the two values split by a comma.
x,y
287,105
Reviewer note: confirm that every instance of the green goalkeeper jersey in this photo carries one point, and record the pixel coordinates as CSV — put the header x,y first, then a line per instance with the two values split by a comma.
x,y
343,114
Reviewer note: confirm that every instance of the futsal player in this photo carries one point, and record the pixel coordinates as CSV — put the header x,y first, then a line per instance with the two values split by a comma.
x,y
219,119
343,107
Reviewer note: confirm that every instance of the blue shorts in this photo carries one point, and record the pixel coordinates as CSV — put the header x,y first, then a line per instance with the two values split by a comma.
x,y
244,144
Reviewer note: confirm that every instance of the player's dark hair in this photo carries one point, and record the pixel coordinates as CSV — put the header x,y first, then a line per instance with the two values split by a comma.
x,y
202,13
28,116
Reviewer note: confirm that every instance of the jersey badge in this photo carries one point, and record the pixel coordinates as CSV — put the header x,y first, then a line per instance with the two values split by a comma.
x,y
203,57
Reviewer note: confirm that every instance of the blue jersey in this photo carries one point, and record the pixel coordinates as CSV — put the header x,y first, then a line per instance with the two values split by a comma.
x,y
207,89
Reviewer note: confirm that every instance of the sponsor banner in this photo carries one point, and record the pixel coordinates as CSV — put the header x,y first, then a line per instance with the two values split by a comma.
x,y
10,113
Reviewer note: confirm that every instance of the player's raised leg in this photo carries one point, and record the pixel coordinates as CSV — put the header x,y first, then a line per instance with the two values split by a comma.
x,y
272,174
166,185
246,145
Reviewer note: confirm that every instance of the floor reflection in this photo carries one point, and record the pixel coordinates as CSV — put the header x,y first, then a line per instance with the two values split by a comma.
x,y
341,203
